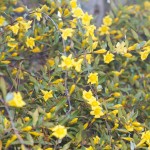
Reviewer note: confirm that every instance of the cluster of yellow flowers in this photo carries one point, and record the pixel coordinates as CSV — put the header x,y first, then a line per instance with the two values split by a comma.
x,y
95,105
103,70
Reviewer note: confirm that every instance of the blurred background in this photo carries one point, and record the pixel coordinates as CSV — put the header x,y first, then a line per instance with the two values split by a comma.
x,y
98,8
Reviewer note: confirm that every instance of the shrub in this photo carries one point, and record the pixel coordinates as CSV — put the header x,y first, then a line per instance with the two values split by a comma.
x,y
65,84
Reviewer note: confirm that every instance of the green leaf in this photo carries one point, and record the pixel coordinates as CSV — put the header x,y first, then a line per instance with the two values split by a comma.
x,y
35,117
135,35
3,86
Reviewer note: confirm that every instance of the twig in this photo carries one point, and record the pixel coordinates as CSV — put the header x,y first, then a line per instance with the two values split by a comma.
x,y
66,72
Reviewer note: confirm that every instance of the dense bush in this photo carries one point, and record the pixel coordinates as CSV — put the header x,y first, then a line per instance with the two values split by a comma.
x,y
65,84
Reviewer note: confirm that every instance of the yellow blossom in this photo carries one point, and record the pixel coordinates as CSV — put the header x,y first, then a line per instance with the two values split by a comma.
x,y
103,30
127,138
89,148
107,20
49,149
73,4
77,65
2,20
6,123
59,131
144,55
97,112
36,133
26,119
15,99
147,5
11,140
19,10
15,28
94,103
38,15
118,73
67,62
145,139
90,31
108,57
96,139
86,18
72,89
73,121
25,25
26,129
88,58
93,78
77,12
47,116
36,50
88,95
30,42
68,32
51,62
47,94
101,51
133,47
121,48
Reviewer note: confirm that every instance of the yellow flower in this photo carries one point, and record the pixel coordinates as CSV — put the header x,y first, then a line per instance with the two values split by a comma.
x,y
107,20
6,123
73,121
2,20
89,148
19,9
49,149
15,28
145,138
147,5
11,140
86,18
38,15
26,119
103,30
73,4
101,51
15,99
24,26
51,62
118,73
88,58
77,12
108,57
68,32
121,48
96,139
97,112
67,62
30,42
47,94
72,89
88,95
36,133
26,129
93,78
47,116
94,103
36,50
133,47
116,94
90,31
144,55
59,131
77,65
